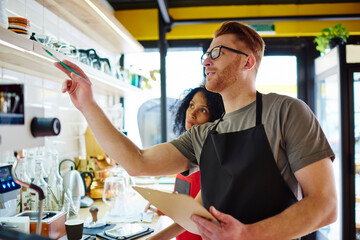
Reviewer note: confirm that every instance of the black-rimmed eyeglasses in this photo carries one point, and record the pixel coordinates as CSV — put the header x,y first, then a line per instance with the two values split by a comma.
x,y
216,51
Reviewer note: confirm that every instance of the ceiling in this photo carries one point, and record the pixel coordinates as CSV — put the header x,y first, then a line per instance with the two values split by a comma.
x,y
145,4
198,19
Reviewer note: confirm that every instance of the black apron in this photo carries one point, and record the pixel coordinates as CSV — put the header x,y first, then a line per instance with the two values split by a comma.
x,y
239,175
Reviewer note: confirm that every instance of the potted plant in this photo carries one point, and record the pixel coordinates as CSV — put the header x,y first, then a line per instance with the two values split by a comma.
x,y
331,37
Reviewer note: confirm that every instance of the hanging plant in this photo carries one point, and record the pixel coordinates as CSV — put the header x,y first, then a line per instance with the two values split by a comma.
x,y
331,37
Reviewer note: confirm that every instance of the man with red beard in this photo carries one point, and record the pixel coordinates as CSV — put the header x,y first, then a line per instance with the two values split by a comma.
x,y
266,166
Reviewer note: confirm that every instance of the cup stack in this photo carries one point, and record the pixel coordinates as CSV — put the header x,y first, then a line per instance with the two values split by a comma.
x,y
19,25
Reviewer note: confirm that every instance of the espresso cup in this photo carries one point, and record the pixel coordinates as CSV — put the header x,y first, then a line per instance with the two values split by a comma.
x,y
74,229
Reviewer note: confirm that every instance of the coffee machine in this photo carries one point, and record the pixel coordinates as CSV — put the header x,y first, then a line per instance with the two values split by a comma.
x,y
8,187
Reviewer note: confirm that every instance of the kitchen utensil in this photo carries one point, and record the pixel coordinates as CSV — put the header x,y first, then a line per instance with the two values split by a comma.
x,y
94,222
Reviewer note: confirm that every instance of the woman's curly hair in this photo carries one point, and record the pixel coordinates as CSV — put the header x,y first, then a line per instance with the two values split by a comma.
x,y
213,101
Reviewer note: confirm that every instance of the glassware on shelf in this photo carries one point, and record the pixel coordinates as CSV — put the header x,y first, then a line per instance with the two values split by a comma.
x,y
105,65
45,40
68,49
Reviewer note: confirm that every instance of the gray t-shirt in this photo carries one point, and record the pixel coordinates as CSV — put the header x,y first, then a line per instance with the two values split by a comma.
x,y
294,134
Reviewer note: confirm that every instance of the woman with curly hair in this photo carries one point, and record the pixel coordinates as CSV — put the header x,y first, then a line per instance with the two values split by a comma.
x,y
197,107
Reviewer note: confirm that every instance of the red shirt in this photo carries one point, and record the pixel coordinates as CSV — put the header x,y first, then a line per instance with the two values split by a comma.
x,y
194,180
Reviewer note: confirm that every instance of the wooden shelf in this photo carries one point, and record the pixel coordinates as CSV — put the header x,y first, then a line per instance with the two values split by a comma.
x,y
99,24
23,55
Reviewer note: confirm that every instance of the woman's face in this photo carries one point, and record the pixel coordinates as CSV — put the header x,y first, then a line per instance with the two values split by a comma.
x,y
197,112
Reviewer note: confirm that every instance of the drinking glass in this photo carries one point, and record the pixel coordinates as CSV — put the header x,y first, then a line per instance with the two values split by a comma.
x,y
114,195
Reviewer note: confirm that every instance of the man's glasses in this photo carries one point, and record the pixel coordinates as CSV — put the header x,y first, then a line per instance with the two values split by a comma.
x,y
216,51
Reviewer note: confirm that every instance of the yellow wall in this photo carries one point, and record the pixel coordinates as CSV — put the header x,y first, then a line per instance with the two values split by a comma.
x,y
143,23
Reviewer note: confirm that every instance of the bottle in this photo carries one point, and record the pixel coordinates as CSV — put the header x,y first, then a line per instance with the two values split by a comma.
x,y
55,183
40,182
40,154
30,161
25,195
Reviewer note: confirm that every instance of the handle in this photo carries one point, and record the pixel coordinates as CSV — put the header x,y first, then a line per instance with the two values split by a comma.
x,y
83,175
94,211
67,160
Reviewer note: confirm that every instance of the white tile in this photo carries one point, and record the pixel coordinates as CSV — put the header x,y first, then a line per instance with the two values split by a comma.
x,y
51,110
68,129
50,23
16,8
52,85
36,21
50,98
35,12
34,95
70,145
65,101
34,6
13,76
33,81
65,31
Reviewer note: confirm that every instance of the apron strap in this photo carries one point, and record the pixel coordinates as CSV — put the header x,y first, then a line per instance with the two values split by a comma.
x,y
258,108
221,118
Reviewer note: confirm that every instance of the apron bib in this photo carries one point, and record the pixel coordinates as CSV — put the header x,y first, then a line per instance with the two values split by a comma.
x,y
239,175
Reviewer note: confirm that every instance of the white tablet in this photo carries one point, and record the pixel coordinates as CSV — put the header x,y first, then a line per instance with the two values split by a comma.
x,y
179,207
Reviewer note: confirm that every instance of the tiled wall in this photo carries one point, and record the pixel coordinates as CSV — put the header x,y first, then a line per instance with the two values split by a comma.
x,y
46,93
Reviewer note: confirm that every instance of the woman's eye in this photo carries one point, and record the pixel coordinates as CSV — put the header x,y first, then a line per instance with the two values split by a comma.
x,y
191,105
203,110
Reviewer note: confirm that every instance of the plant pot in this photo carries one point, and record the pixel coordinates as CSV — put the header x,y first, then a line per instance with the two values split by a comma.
x,y
333,42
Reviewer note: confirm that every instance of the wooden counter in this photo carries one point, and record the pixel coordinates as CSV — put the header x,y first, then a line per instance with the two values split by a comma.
x,y
158,222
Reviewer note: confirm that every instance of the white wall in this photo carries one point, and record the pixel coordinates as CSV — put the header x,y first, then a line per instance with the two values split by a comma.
x,y
46,93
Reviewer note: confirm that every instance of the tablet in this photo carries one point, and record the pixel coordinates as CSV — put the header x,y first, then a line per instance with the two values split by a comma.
x,y
179,207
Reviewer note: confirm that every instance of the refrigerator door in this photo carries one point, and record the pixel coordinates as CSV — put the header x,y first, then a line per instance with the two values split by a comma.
x,y
328,112
356,86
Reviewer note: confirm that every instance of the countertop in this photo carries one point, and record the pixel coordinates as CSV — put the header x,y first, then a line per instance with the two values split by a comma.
x,y
158,222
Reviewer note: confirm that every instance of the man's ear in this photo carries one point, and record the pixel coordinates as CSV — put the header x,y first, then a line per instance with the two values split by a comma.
x,y
250,63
